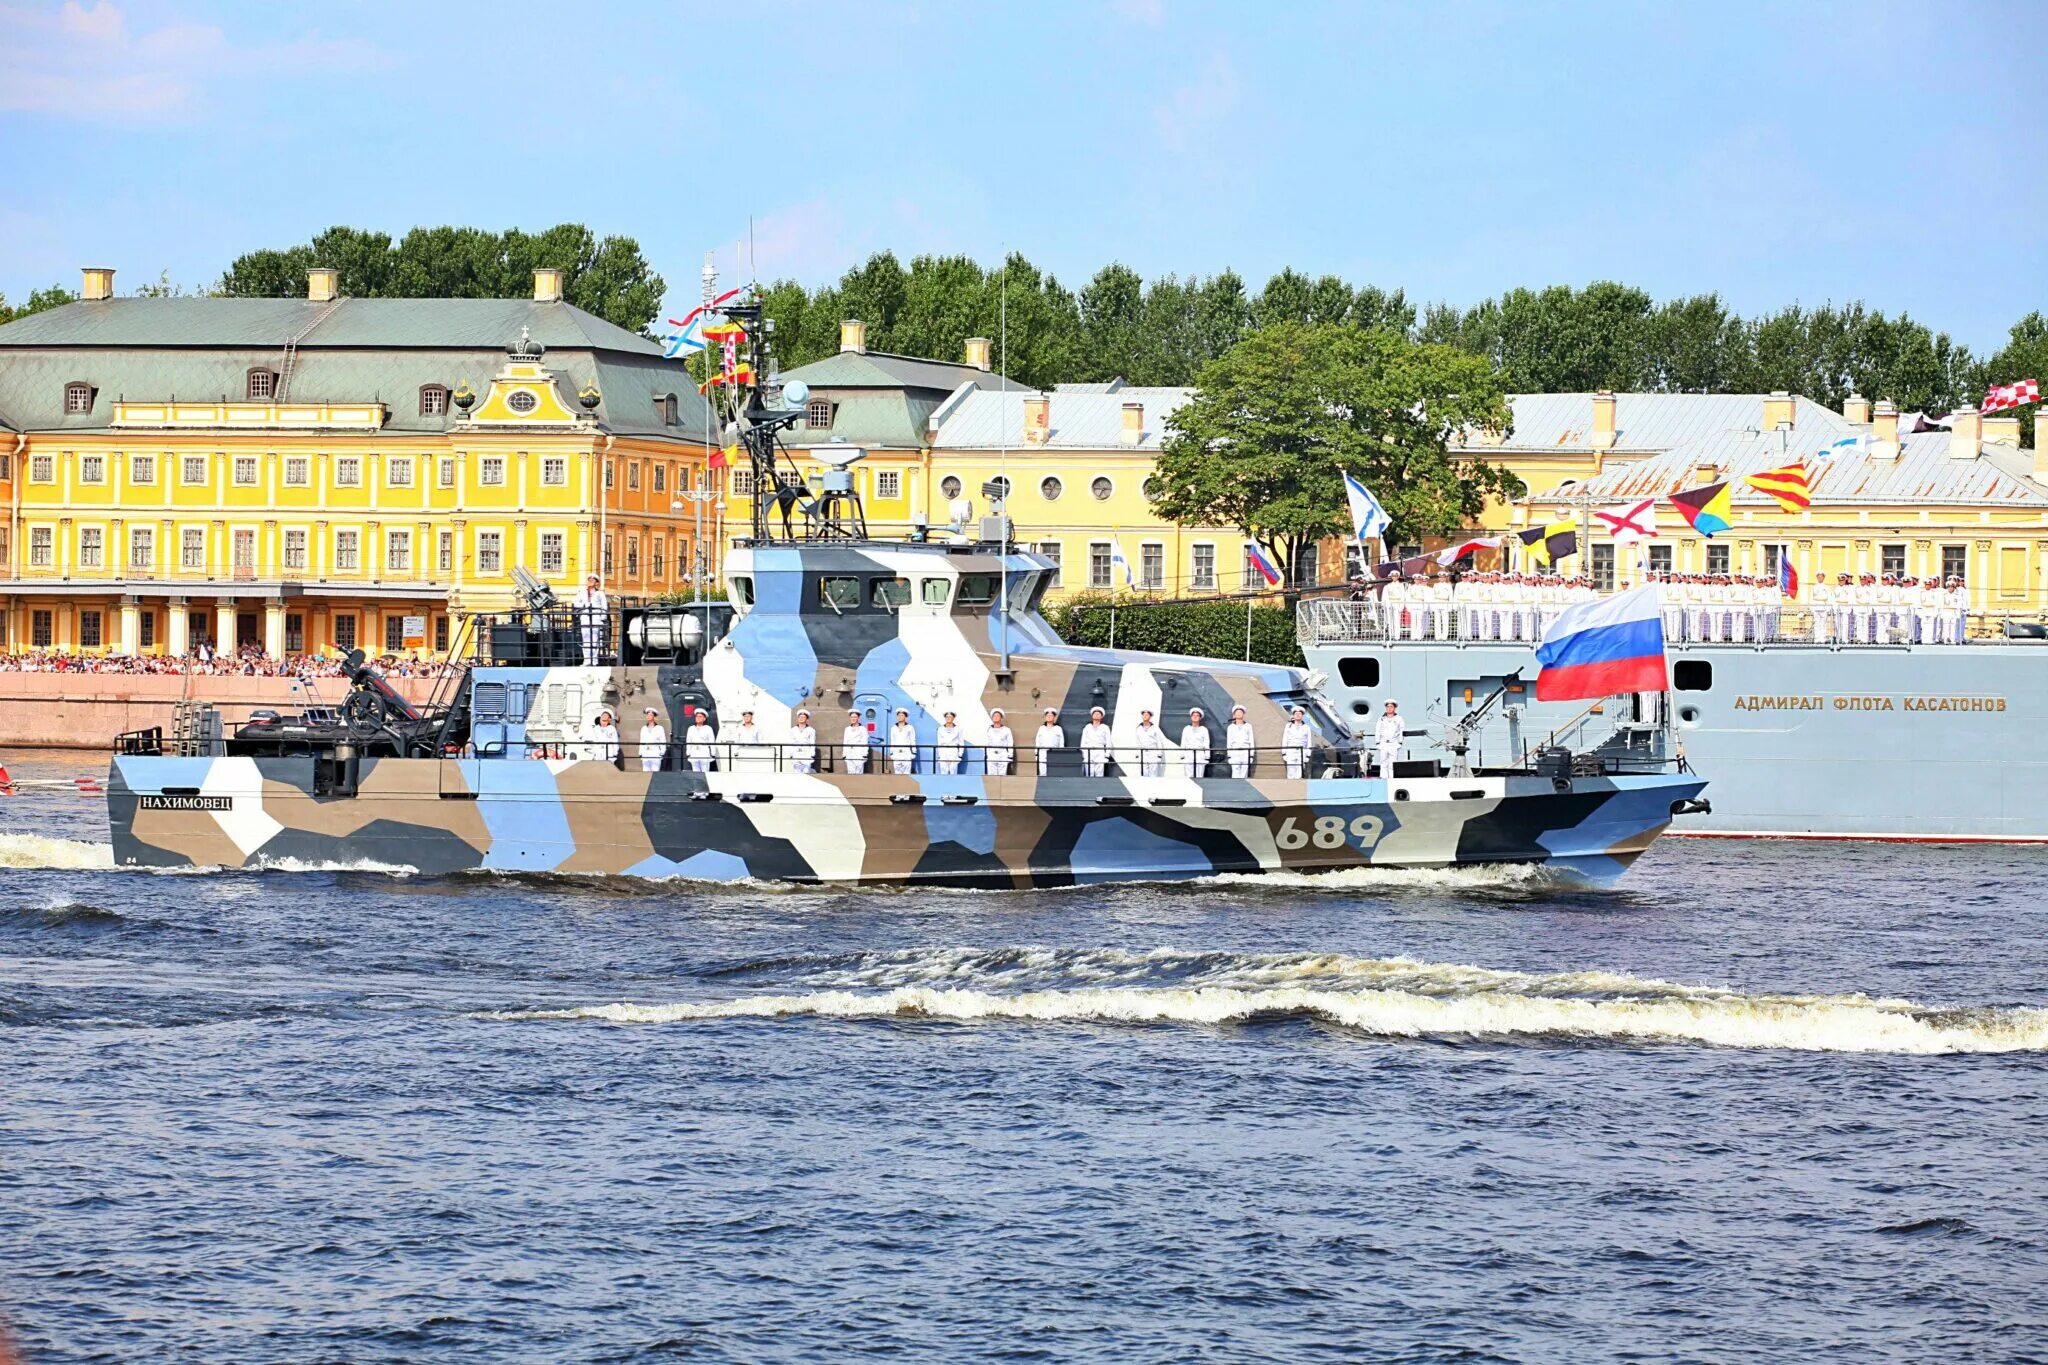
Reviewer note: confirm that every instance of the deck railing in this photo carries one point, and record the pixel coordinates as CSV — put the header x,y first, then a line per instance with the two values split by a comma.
x,y
1342,621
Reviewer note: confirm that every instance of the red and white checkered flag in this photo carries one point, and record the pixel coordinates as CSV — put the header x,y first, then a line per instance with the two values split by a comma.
x,y
2016,395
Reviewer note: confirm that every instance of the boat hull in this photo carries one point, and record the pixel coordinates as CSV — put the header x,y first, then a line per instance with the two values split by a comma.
x,y
1905,742
969,830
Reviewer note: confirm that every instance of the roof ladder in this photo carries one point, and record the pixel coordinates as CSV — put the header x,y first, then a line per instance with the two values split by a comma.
x,y
291,348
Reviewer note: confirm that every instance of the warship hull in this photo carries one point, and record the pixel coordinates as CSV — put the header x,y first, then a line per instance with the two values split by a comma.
x,y
592,817
1896,742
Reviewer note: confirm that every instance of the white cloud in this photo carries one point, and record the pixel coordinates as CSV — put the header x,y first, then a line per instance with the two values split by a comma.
x,y
81,61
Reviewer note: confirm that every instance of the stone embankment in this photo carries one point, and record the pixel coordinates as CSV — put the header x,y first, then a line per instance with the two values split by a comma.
x,y
87,710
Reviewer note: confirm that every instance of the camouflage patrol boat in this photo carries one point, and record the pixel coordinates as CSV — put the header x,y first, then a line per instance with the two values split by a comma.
x,y
511,770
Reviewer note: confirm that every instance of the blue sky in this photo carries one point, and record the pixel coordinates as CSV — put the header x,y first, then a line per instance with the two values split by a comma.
x,y
1775,153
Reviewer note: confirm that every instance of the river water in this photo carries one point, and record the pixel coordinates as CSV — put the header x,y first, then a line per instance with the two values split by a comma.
x,y
1762,1100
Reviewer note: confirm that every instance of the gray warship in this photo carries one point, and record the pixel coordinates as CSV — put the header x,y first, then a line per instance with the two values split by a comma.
x,y
1806,735
510,769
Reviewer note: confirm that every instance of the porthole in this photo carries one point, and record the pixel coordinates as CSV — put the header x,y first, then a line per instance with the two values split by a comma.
x,y
1101,488
1688,716
1050,488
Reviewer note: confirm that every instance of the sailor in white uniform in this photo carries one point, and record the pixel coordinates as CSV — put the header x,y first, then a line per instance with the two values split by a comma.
x,y
1239,741
653,742
1393,605
1095,741
1820,605
1151,746
1051,736
902,744
1386,739
853,743
999,750
1845,610
604,735
745,745
1957,596
1295,740
1442,606
803,744
949,746
699,742
592,609
1195,745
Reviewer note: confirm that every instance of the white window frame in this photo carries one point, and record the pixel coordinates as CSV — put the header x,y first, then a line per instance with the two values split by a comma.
x,y
490,471
1105,552
397,552
444,551
145,538
142,470
295,542
398,471
348,550
1152,565
42,547
1196,578
192,548
298,471
348,471
92,469
187,464
496,541
888,483
92,547
255,464
554,471
447,471
42,469
554,553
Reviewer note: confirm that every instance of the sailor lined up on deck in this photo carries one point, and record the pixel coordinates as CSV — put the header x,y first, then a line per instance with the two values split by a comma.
x,y
699,742
803,743
1239,741
1195,744
1051,735
1295,740
653,741
1386,738
592,609
949,746
1095,744
853,743
605,738
1000,749
902,744
1151,746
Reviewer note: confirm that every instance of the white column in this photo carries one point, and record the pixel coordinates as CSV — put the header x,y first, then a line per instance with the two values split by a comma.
x,y
224,624
177,627
273,627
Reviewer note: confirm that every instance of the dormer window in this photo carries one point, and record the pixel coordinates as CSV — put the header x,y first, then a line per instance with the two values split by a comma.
x,y
77,397
665,405
262,385
433,400
819,413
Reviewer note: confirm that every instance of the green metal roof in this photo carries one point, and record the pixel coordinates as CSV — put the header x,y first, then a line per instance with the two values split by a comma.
x,y
881,370
363,323
149,350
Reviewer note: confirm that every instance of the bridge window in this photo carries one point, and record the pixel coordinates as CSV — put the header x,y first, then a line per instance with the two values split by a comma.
x,y
891,593
1693,675
1359,671
937,591
977,589
743,591
839,592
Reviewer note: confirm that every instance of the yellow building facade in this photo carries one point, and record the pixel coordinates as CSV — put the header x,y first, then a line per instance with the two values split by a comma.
x,y
309,509
1893,493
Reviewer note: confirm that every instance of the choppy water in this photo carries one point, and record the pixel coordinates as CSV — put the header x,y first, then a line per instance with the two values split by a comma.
x,y
1766,1101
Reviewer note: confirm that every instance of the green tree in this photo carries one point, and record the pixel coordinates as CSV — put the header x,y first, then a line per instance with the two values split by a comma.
x,y
1275,421
1696,345
607,276
1113,327
56,296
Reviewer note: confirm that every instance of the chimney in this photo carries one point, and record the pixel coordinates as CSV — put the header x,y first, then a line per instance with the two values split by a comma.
x,y
1965,433
1037,419
322,284
1134,424
99,284
853,336
1884,430
1777,410
977,352
2002,431
1856,408
547,285
1603,420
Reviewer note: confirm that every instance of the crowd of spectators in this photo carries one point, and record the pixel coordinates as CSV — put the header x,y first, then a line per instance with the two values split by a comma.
x,y
246,662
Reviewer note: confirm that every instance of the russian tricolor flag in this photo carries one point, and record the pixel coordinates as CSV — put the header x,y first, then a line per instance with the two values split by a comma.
x,y
1262,563
1599,649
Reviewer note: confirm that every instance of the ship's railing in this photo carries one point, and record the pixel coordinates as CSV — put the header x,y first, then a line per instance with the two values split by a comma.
x,y
926,758
1332,621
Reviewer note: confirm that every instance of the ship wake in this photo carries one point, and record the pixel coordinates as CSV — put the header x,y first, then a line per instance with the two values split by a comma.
x,y
1394,998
